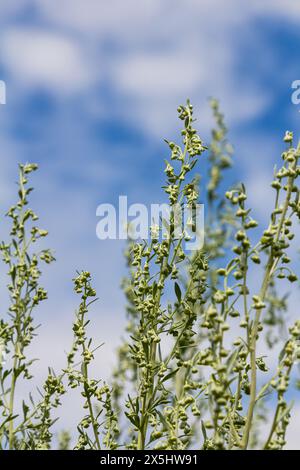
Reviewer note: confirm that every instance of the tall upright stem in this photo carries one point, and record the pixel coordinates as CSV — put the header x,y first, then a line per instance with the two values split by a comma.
x,y
272,262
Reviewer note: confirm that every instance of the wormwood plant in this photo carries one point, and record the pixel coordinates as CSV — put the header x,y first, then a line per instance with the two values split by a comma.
x,y
191,371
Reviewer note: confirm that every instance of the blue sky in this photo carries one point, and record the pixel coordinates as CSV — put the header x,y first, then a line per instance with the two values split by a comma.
x,y
92,90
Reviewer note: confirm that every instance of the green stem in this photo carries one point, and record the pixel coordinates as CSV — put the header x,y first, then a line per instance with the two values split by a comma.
x,y
11,405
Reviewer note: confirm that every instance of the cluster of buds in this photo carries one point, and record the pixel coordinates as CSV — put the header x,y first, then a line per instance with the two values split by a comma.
x,y
220,152
193,146
177,418
289,355
40,430
191,139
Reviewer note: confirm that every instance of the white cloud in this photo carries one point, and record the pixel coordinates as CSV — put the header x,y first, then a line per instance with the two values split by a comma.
x,y
100,17
288,9
158,74
165,51
35,57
